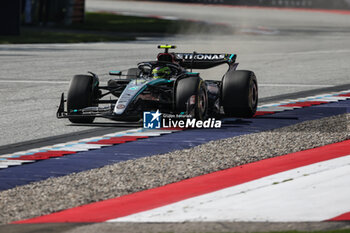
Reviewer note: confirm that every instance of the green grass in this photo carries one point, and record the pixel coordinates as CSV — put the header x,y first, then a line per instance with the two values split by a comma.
x,y
102,27
120,23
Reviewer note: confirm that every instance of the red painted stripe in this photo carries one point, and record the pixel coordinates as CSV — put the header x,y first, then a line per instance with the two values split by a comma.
x,y
53,154
343,217
43,155
31,157
118,140
172,128
108,141
304,104
153,198
261,113
345,95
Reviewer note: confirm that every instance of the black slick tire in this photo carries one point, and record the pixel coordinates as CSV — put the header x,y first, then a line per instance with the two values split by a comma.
x,y
80,95
239,93
188,87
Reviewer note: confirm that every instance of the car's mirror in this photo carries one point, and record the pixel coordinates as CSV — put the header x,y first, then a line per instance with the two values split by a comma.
x,y
193,74
117,73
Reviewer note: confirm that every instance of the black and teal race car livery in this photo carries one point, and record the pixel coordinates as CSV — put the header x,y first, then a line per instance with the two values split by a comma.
x,y
167,84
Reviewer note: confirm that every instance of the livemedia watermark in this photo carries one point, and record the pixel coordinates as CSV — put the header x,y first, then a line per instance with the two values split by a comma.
x,y
157,120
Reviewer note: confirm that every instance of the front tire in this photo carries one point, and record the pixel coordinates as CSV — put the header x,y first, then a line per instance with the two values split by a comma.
x,y
80,95
185,89
239,94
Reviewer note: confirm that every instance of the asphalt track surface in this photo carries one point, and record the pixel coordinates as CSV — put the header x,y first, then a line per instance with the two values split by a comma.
x,y
290,51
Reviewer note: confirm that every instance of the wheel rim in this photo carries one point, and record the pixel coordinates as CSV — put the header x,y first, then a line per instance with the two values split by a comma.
x,y
202,104
253,95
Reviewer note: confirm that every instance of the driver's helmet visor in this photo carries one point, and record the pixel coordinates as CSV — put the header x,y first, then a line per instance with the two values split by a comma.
x,y
161,72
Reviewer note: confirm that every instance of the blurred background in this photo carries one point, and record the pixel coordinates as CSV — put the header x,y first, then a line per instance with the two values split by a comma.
x,y
14,13
39,12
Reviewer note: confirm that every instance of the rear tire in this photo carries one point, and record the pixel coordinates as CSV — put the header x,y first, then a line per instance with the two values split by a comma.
x,y
239,94
188,87
80,95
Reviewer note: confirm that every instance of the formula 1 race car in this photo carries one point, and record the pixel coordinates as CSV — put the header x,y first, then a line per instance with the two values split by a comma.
x,y
166,84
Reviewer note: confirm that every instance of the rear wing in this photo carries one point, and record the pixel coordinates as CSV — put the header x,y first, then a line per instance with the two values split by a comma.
x,y
204,60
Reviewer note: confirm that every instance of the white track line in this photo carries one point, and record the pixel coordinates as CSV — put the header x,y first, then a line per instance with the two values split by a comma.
x,y
276,109
315,192
7,163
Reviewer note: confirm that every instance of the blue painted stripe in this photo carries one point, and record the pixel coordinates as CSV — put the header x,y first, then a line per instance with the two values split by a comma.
x,y
81,161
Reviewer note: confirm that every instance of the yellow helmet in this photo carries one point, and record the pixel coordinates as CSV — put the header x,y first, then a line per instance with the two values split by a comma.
x,y
161,72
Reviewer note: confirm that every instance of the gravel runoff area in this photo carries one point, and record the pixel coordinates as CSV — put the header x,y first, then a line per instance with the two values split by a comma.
x,y
185,227
122,178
